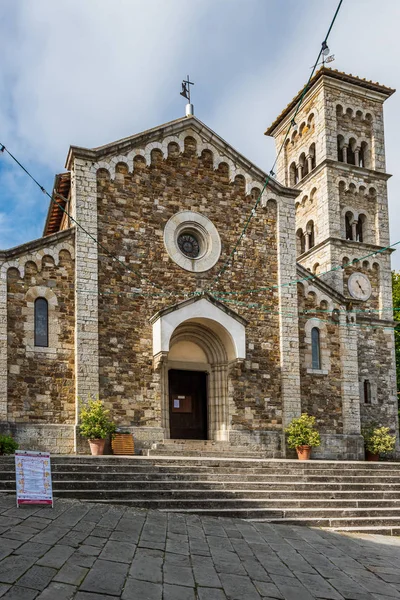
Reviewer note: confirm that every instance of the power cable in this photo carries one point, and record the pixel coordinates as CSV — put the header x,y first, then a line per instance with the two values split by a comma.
x,y
271,172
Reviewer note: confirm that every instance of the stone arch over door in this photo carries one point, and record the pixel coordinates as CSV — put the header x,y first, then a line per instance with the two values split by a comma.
x,y
198,335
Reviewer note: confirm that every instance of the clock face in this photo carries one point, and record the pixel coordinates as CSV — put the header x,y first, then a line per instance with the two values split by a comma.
x,y
359,286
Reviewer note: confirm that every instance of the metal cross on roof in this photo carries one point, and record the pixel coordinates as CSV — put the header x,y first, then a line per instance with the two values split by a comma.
x,y
186,83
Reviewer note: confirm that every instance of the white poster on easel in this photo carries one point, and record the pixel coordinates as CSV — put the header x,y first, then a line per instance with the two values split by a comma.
x,y
33,477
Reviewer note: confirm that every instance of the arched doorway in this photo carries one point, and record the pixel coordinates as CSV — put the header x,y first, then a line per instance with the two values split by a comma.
x,y
194,345
197,371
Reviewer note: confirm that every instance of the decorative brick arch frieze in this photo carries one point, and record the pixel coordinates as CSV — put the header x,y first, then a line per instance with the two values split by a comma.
x,y
325,353
41,291
110,164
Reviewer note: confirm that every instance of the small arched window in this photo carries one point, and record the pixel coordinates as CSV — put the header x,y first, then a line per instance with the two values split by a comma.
x,y
315,348
367,391
41,322
348,225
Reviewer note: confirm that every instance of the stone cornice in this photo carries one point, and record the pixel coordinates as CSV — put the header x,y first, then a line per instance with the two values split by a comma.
x,y
156,134
344,168
322,285
37,244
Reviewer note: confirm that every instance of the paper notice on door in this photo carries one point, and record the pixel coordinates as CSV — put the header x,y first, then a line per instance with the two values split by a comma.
x,y
176,403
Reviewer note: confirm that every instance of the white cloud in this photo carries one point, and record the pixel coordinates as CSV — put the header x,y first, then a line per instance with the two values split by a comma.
x,y
90,72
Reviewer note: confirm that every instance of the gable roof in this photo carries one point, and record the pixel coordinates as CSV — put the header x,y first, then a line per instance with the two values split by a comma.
x,y
332,74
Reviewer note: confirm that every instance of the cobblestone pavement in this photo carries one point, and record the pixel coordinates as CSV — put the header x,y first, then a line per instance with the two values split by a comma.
x,y
92,551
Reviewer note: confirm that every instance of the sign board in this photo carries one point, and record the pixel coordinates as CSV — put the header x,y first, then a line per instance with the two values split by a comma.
x,y
33,477
182,404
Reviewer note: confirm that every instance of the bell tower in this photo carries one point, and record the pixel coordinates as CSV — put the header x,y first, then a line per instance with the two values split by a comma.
x,y
335,155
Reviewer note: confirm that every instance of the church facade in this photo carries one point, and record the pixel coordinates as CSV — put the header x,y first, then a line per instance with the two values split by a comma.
x,y
131,293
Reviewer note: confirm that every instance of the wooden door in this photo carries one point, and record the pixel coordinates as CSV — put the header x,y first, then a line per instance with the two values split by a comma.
x,y
187,404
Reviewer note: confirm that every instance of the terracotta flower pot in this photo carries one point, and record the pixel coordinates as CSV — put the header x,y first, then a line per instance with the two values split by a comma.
x,y
371,457
303,452
97,447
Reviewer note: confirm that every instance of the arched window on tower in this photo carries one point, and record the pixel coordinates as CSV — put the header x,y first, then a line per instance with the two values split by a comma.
x,y
300,242
315,348
348,225
340,142
41,333
361,228
311,234
351,157
367,391
293,176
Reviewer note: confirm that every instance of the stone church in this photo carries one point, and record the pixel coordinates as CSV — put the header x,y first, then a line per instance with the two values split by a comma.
x,y
130,294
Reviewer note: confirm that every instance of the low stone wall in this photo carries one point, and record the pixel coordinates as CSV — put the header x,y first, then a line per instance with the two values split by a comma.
x,y
57,439
269,441
340,447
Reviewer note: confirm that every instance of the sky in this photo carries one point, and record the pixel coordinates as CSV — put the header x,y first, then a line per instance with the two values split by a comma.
x,y
91,72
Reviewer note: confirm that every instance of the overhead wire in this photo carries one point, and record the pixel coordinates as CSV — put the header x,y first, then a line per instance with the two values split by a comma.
x,y
271,172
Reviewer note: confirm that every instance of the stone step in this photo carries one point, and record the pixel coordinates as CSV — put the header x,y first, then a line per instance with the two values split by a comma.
x,y
367,529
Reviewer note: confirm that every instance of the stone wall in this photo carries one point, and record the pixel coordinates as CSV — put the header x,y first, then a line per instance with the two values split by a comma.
x,y
41,382
321,390
133,209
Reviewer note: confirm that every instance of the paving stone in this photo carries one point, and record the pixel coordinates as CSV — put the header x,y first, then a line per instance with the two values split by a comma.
x,y
89,550
118,551
227,562
199,546
20,593
178,575
105,577
123,536
37,522
349,589
291,588
92,540
32,549
135,589
89,596
237,587
3,588
71,574
71,516
267,589
50,535
37,577
204,572
111,517
177,547
175,592
82,560
318,586
6,542
56,557
14,566
58,591
147,565
255,570
207,593
222,543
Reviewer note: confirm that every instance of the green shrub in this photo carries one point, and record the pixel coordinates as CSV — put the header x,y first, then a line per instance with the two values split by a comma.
x,y
95,423
7,444
378,440
302,432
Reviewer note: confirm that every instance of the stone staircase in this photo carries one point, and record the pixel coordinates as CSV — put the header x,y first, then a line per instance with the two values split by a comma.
x,y
345,496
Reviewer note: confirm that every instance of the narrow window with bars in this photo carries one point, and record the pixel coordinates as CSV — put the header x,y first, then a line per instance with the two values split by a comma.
x,y
41,322
315,348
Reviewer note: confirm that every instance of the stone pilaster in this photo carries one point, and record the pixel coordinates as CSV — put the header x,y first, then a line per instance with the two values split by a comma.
x,y
3,343
288,317
350,385
86,292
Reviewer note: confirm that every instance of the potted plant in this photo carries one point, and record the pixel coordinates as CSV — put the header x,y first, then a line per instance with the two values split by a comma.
x,y
122,442
95,425
377,440
302,435
7,444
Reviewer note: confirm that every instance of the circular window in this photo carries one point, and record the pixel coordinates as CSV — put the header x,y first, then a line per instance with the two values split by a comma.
x,y
192,241
189,245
